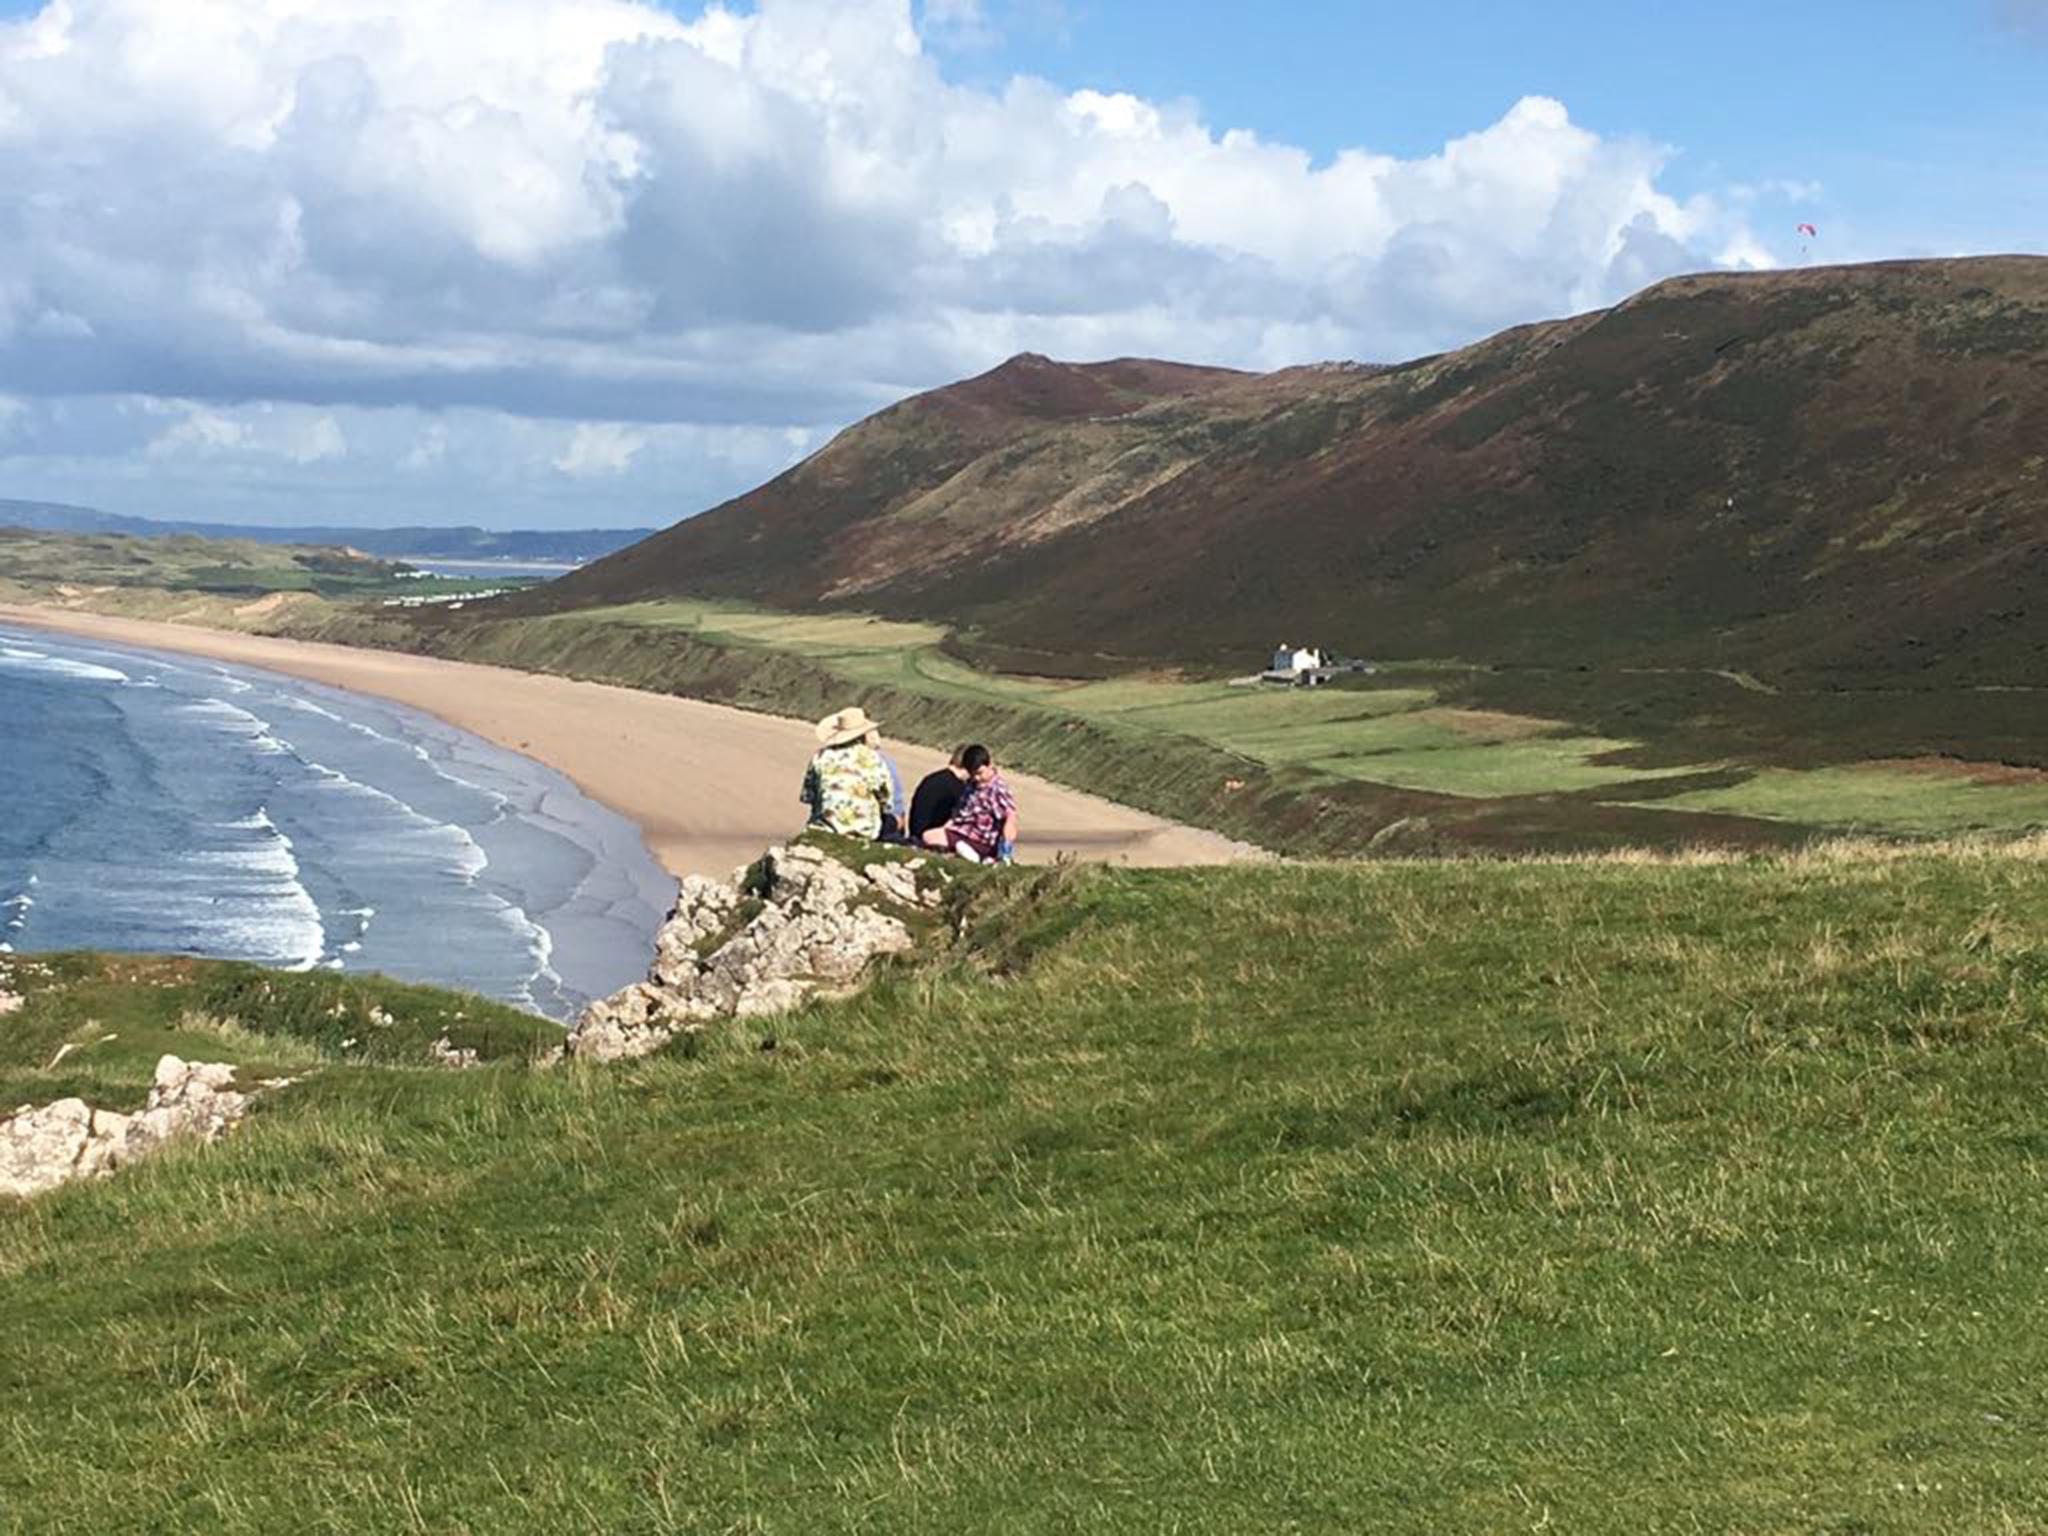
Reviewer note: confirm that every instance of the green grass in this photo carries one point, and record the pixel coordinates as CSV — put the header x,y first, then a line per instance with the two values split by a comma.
x,y
1881,797
1387,735
123,567
111,1017
810,635
1602,1197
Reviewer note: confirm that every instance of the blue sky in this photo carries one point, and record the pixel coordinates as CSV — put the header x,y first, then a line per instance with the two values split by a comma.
x,y
1924,124
576,262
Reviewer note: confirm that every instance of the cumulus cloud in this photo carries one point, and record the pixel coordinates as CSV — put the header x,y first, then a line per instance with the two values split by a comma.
x,y
627,220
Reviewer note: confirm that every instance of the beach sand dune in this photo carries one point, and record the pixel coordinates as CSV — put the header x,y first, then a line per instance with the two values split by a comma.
x,y
709,786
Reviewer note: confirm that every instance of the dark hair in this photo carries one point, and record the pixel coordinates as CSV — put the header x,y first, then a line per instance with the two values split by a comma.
x,y
974,758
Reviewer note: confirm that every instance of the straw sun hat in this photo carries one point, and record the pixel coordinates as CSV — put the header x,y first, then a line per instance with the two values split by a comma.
x,y
845,727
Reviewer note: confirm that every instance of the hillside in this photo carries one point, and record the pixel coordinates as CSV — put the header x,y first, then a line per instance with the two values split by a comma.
x,y
1617,1196
118,569
1833,474
39,559
565,546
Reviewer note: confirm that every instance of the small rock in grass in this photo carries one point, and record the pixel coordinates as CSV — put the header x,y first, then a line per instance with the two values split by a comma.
x,y
41,1148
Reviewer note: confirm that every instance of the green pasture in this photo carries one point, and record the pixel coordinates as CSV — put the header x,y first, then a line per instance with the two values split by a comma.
x,y
1390,735
814,635
1883,797
1602,1197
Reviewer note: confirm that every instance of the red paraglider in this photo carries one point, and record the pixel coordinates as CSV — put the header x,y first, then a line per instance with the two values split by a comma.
x,y
1809,231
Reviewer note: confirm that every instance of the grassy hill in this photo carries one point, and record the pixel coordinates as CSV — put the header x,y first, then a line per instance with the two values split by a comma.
x,y
1621,1195
1832,473
166,573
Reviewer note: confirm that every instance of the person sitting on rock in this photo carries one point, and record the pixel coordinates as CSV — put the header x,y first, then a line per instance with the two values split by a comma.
x,y
848,784
937,796
984,824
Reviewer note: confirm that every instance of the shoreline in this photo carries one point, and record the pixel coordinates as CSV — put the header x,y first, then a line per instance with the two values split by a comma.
x,y
349,832
709,786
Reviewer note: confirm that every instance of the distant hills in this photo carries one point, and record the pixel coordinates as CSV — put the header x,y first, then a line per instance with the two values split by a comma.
x,y
1839,473
552,546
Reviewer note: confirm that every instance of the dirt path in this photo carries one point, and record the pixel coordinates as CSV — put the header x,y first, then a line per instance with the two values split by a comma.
x,y
709,786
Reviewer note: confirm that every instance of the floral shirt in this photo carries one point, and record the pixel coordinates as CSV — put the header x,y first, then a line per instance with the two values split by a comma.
x,y
982,812
846,788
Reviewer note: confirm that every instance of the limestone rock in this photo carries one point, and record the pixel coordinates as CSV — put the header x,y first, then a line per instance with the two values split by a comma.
x,y
632,1022
41,1148
8,1003
446,1053
704,910
797,922
190,1098
899,883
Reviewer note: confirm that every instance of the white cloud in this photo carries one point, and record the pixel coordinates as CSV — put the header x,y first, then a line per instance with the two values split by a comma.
x,y
309,442
200,432
266,430
605,213
599,448
430,448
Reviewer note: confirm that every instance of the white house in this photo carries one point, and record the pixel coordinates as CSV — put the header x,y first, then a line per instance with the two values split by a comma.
x,y
1289,658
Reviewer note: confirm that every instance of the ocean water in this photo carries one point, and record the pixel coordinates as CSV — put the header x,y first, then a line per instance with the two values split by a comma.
x,y
167,803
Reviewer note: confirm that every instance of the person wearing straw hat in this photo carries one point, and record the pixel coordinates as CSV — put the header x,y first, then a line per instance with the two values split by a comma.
x,y
849,784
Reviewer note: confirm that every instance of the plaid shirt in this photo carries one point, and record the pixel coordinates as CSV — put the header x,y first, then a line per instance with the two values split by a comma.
x,y
982,812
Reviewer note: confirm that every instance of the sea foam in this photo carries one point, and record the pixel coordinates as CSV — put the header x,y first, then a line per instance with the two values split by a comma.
x,y
19,659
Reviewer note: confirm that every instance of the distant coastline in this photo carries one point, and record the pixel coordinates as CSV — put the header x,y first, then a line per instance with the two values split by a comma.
x,y
491,567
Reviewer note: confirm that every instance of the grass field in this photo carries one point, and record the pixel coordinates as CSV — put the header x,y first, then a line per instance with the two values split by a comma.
x,y
1922,798
1609,1196
1400,734
1390,735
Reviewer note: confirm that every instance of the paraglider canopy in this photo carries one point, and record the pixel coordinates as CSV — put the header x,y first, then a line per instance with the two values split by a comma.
x,y
1808,230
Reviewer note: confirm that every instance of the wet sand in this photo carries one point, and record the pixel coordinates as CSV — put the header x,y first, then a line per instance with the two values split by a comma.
x,y
709,786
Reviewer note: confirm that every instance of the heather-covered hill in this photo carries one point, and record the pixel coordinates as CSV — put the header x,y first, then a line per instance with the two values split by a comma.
x,y
1836,473
854,514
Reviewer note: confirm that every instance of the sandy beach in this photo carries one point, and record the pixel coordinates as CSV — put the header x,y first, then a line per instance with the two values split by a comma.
x,y
710,786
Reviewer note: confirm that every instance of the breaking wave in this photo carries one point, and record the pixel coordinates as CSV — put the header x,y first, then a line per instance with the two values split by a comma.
x,y
248,816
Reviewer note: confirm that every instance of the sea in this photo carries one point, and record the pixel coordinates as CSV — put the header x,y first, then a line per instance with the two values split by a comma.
x,y
546,570
164,803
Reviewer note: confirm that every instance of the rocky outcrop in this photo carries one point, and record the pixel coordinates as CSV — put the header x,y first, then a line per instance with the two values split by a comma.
x,y
797,923
41,1148
444,1052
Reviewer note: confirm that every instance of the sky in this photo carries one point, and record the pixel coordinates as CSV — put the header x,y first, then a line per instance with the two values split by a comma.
x,y
574,263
